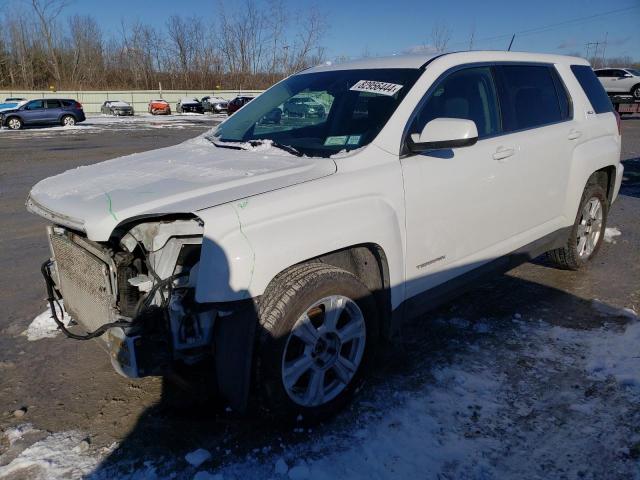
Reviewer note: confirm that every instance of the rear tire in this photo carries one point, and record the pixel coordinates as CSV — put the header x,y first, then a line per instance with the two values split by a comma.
x,y
68,121
310,362
587,232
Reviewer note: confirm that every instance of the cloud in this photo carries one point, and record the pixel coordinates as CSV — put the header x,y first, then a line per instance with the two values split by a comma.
x,y
617,42
567,43
421,50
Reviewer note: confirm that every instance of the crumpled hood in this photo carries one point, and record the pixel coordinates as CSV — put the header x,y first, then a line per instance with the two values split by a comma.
x,y
184,178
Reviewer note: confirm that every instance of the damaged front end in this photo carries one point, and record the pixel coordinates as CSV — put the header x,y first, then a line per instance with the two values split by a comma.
x,y
136,293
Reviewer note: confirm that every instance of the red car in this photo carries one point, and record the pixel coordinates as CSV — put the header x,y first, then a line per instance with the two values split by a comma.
x,y
159,107
237,103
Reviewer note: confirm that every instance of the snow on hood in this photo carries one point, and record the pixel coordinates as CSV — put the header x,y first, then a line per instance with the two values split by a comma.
x,y
184,178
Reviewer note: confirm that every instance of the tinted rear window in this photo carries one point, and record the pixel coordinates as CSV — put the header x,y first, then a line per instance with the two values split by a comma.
x,y
529,97
593,88
68,103
53,103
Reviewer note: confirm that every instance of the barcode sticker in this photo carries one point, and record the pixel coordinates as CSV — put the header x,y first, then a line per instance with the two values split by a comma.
x,y
372,86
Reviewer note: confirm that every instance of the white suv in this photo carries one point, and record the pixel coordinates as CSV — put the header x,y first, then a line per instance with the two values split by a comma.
x,y
620,80
275,253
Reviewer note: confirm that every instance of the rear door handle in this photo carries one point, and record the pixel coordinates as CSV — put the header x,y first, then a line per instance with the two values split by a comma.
x,y
573,134
503,152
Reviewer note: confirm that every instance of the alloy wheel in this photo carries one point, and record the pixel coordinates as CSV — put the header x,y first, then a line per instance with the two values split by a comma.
x,y
589,228
323,351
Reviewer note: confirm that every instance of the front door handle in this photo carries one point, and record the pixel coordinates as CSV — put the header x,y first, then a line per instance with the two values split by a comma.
x,y
573,134
503,152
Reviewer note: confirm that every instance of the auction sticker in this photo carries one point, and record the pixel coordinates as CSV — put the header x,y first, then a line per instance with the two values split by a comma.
x,y
372,86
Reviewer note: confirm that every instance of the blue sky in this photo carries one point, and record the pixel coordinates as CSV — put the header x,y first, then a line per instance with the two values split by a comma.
x,y
384,28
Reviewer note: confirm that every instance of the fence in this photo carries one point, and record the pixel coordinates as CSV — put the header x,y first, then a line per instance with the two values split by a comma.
x,y
93,100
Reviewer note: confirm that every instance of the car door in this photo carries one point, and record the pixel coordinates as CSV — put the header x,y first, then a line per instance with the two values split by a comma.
x,y
618,81
53,111
34,112
538,124
456,212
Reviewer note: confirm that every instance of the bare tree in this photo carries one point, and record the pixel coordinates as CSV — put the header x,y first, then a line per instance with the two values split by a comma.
x,y
252,45
47,12
440,36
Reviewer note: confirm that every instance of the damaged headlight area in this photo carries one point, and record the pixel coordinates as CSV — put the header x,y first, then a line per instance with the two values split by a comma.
x,y
136,293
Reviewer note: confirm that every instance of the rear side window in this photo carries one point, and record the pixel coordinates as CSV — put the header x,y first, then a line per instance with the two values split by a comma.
x,y
468,94
593,88
529,97
68,103
53,103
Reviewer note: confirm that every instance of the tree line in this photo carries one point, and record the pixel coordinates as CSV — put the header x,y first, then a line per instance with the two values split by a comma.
x,y
247,46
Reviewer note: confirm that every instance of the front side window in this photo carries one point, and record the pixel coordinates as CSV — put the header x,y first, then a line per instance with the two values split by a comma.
x,y
528,96
468,94
35,105
320,113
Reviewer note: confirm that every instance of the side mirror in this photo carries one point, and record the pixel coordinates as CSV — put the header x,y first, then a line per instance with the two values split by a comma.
x,y
444,133
627,75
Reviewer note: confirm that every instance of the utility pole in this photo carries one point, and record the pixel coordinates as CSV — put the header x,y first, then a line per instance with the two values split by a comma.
x,y
604,47
595,50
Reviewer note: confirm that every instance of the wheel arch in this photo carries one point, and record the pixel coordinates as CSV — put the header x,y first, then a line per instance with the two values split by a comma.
x,y
368,262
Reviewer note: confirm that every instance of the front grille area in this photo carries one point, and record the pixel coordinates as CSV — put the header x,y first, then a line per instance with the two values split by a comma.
x,y
84,282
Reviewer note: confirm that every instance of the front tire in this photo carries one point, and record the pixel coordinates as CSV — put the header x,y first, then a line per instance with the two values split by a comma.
x,y
587,232
635,92
14,123
319,333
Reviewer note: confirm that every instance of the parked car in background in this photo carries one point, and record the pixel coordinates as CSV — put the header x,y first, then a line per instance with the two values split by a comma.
x,y
214,104
189,105
117,108
620,81
237,103
159,107
11,103
303,107
277,260
50,111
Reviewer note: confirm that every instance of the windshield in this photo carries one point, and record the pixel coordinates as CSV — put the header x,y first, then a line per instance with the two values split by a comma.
x,y
320,114
633,71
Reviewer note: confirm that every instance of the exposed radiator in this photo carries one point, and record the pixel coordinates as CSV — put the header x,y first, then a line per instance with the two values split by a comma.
x,y
84,282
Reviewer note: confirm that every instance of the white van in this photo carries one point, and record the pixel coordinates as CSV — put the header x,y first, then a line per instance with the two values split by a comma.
x,y
275,252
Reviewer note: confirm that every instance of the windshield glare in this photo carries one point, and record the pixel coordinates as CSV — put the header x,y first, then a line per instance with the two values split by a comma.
x,y
320,114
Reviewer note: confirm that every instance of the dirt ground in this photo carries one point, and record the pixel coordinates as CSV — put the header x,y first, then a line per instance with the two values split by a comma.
x,y
502,325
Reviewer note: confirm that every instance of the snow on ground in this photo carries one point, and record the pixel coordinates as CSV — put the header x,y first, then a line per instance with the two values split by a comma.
x,y
96,123
43,326
610,233
513,398
59,455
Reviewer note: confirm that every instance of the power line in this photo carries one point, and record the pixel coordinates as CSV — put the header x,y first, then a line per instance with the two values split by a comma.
x,y
552,26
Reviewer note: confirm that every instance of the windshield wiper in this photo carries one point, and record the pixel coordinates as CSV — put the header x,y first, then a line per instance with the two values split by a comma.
x,y
237,145
281,146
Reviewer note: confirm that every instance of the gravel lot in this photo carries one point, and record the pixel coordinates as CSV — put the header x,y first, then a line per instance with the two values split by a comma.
x,y
531,375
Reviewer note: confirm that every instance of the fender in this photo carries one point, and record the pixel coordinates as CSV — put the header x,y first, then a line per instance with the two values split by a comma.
x,y
588,158
248,242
